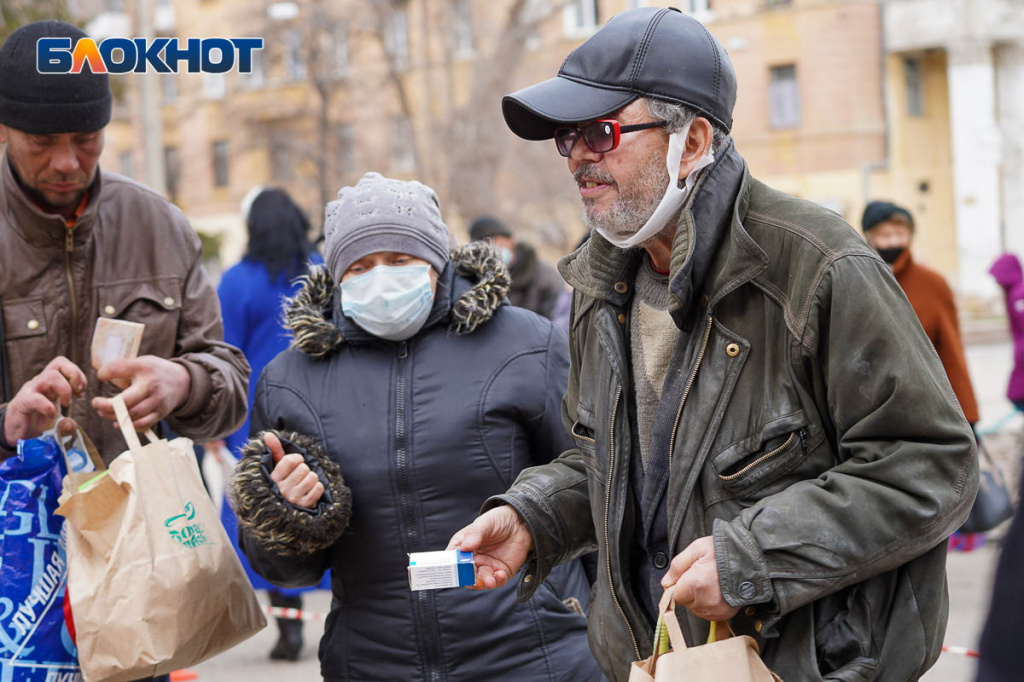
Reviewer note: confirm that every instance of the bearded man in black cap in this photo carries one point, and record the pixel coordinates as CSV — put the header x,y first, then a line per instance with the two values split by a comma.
x,y
760,423
76,245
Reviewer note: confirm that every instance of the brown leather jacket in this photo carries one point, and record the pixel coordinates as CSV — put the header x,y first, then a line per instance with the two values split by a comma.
x,y
133,256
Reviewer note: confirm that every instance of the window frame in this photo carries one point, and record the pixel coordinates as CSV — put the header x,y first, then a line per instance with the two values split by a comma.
x,y
783,114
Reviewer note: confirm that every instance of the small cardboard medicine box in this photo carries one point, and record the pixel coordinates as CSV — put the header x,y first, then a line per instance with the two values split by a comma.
x,y
438,570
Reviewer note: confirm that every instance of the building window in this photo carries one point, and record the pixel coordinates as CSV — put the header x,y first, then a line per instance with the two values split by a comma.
x,y
633,4
337,50
914,77
777,3
172,171
257,77
396,38
221,164
282,165
294,64
169,87
345,144
462,28
784,97
403,147
579,17
699,6
127,159
215,85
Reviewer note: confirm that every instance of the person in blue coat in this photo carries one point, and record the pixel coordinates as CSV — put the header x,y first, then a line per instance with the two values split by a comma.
x,y
411,392
251,294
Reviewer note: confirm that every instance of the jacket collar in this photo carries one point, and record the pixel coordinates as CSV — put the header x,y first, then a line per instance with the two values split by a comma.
x,y
36,227
711,250
469,291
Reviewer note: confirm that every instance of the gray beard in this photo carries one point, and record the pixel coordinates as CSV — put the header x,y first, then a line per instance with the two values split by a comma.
x,y
635,204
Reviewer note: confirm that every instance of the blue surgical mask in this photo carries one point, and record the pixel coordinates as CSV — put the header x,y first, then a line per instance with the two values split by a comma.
x,y
390,302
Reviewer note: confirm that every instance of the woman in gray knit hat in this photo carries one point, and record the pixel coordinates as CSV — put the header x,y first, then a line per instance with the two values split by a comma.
x,y
411,393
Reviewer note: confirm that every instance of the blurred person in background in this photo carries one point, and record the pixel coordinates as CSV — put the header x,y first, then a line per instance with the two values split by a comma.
x,y
251,295
1002,657
1007,271
889,229
536,285
411,380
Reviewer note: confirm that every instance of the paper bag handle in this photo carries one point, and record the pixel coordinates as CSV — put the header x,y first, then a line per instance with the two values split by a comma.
x,y
669,622
124,422
90,447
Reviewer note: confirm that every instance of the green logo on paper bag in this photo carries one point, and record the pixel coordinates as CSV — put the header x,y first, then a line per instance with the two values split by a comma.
x,y
190,535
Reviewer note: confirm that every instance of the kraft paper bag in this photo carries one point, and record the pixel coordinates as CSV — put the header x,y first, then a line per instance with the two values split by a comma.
x,y
725,658
154,583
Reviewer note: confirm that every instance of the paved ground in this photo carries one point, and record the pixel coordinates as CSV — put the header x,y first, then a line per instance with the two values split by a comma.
x,y
970,575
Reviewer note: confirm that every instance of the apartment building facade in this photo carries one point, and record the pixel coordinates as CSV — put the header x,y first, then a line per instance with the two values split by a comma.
x,y
829,109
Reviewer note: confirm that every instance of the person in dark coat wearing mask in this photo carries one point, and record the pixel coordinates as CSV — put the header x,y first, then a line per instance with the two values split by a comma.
x,y
410,394
536,285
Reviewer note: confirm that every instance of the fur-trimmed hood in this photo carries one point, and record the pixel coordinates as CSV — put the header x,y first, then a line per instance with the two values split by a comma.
x,y
469,291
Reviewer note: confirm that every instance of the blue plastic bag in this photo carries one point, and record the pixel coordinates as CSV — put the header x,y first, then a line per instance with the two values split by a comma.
x,y
34,641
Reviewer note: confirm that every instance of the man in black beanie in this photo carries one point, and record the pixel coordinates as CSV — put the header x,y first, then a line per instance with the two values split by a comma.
x,y
77,244
536,285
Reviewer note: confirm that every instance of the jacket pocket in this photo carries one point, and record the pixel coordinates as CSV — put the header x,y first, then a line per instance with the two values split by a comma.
x,y
586,443
763,457
26,345
155,303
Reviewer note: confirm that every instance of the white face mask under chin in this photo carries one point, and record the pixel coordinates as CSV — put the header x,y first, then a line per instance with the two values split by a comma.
x,y
674,198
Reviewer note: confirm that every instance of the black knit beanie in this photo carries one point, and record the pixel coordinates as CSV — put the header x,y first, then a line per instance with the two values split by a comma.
x,y
486,227
880,211
46,103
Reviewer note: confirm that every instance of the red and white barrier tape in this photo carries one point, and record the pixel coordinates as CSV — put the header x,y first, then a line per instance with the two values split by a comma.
x,y
292,614
297,614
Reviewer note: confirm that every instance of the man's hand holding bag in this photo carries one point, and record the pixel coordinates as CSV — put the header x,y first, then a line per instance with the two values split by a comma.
x,y
726,657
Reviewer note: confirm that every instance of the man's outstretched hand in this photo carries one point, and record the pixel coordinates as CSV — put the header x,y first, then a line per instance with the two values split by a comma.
x,y
501,543
38,404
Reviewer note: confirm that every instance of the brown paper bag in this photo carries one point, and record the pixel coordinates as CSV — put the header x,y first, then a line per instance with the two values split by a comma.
x,y
728,659
153,580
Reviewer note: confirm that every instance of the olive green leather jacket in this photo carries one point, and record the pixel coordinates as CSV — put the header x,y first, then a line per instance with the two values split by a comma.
x,y
816,438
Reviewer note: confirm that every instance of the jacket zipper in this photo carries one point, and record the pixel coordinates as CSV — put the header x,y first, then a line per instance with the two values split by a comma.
x,y
423,624
686,392
607,523
69,247
762,458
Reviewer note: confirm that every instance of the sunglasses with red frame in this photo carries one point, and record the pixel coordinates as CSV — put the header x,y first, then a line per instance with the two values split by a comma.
x,y
600,136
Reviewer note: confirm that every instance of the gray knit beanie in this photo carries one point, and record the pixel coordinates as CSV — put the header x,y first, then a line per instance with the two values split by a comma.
x,y
382,214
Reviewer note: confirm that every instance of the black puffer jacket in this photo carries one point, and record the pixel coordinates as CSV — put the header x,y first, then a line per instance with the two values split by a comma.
x,y
424,431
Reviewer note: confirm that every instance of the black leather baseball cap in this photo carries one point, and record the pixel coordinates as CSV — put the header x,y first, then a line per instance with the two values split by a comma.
x,y
645,52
